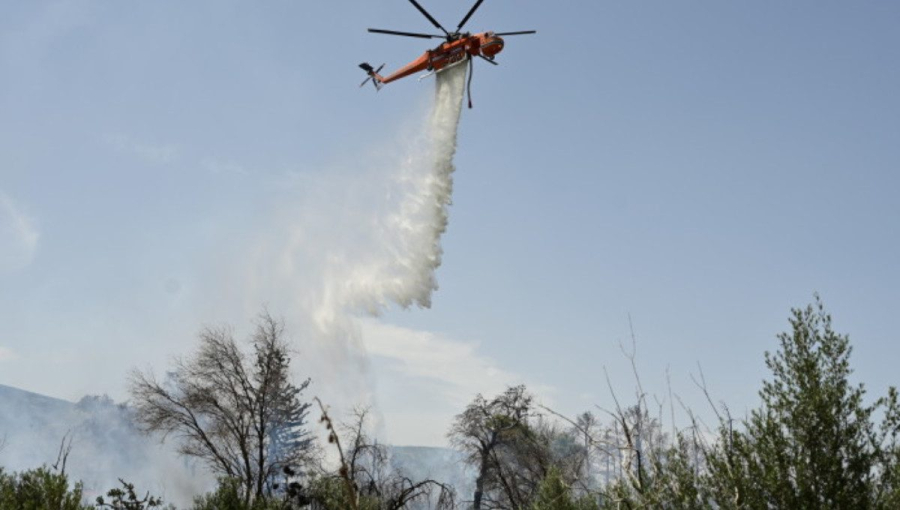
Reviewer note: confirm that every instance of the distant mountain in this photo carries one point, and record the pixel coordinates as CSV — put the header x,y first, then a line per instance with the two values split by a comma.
x,y
106,445
27,419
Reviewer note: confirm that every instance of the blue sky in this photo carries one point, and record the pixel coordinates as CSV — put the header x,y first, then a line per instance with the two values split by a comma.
x,y
701,167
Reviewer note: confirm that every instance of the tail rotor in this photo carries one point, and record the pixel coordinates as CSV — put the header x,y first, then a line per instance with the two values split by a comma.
x,y
374,77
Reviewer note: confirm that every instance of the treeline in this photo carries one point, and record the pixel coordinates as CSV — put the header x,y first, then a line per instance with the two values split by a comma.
x,y
815,441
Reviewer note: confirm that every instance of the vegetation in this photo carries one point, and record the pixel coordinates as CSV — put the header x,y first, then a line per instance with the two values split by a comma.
x,y
126,498
237,411
229,495
364,479
514,450
813,443
816,441
39,489
555,494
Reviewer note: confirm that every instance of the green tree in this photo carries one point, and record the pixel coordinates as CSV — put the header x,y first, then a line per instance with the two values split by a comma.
x,y
814,442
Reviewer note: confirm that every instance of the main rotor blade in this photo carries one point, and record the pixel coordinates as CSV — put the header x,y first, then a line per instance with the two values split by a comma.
x,y
407,34
524,32
471,12
432,20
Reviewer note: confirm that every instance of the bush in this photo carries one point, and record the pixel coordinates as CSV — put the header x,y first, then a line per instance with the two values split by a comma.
x,y
39,489
554,494
228,496
127,499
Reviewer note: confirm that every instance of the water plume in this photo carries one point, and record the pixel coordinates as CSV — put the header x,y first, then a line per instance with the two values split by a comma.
x,y
402,269
357,238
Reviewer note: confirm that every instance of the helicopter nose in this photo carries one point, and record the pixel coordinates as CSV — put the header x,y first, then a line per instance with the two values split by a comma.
x,y
492,46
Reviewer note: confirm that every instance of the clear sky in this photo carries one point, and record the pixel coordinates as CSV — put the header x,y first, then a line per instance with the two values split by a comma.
x,y
702,167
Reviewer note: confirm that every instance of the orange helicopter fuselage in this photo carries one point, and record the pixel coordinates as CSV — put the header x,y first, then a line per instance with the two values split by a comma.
x,y
485,44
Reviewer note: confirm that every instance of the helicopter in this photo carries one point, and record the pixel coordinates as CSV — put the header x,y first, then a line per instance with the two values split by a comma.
x,y
458,48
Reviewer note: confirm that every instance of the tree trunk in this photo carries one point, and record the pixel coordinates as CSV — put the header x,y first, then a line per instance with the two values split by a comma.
x,y
479,482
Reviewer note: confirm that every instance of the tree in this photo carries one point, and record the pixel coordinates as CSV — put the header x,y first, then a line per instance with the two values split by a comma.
x,y
484,427
514,449
531,455
237,411
814,442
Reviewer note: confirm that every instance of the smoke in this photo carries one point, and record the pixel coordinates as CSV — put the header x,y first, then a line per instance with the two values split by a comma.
x,y
105,446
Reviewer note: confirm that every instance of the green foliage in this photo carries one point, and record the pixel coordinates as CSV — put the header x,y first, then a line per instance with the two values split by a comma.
x,y
554,494
330,493
228,496
126,499
672,480
326,493
814,442
39,489
667,477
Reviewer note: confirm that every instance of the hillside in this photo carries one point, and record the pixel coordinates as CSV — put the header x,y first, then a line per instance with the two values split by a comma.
x,y
106,445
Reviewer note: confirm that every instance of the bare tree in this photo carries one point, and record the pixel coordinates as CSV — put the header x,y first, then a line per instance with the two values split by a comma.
x,y
641,465
62,456
367,477
237,410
